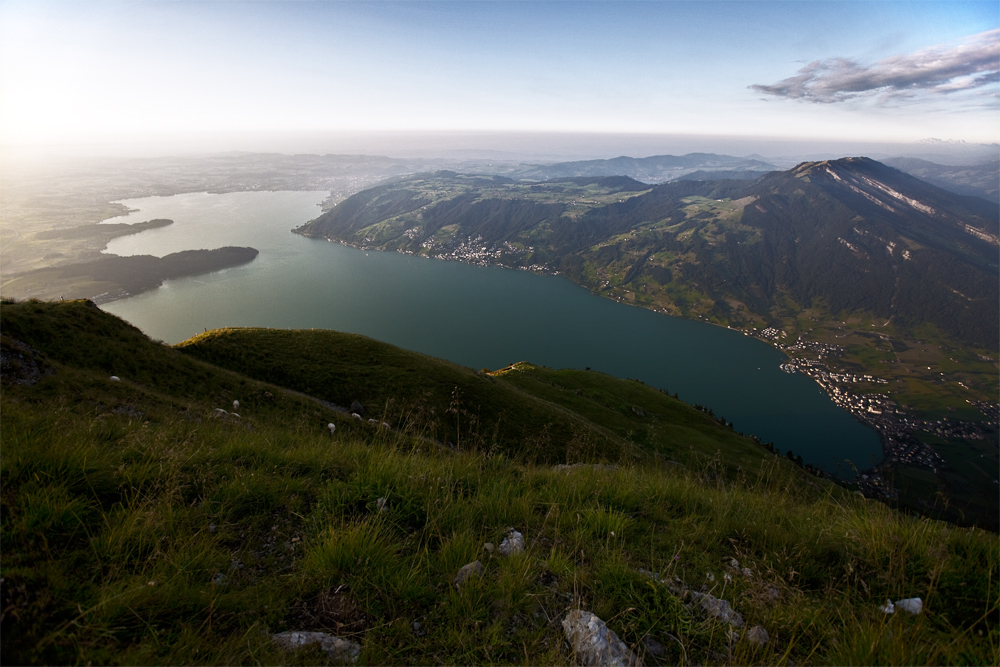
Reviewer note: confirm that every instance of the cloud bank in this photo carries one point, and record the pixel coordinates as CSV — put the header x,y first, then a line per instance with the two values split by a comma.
x,y
969,66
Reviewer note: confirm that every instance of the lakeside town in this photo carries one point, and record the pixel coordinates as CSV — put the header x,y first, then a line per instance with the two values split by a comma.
x,y
896,429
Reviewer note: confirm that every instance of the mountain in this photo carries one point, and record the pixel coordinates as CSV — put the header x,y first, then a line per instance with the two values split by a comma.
x,y
865,237
881,287
851,236
654,169
978,180
149,520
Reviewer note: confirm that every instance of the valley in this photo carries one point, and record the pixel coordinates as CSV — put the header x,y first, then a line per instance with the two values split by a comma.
x,y
861,297
725,252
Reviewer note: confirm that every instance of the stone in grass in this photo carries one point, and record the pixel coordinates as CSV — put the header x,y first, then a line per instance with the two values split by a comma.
x,y
512,544
758,635
912,605
341,651
653,647
594,644
473,569
720,609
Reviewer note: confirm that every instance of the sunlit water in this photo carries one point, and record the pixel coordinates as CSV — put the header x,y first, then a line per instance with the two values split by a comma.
x,y
475,316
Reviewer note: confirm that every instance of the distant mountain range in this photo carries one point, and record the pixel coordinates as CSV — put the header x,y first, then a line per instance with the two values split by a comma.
x,y
848,236
654,169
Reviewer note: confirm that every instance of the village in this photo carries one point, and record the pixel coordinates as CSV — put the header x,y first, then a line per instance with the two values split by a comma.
x,y
876,410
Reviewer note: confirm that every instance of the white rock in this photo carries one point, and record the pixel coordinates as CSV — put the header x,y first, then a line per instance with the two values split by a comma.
x,y
512,544
888,608
115,378
356,415
332,427
593,643
340,650
236,406
912,605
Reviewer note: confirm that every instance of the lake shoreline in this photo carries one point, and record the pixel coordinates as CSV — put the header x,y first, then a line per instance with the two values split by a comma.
x,y
474,319
545,271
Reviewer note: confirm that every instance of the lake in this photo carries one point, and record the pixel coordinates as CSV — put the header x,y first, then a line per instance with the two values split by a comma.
x,y
472,315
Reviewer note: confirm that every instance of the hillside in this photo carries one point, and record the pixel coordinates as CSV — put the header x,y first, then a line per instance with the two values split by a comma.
x,y
880,286
142,525
979,180
853,235
524,411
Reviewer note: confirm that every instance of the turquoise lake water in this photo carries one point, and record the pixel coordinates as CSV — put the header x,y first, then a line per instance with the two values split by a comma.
x,y
475,316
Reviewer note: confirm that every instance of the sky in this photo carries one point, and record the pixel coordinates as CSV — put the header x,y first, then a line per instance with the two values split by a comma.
x,y
86,71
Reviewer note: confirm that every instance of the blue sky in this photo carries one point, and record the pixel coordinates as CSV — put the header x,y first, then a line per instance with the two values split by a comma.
x,y
91,71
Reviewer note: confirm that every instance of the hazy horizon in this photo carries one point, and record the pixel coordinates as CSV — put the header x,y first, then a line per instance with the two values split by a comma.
x,y
562,80
502,147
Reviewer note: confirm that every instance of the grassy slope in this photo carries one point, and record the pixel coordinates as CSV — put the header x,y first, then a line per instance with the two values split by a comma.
x,y
122,501
535,414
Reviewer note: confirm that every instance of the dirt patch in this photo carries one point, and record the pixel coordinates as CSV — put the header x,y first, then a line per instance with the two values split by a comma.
x,y
331,611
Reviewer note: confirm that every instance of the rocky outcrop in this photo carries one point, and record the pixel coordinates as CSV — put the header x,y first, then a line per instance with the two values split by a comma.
x,y
341,651
594,643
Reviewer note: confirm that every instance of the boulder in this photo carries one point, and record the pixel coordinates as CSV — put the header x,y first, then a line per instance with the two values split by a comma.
x,y
593,643
341,651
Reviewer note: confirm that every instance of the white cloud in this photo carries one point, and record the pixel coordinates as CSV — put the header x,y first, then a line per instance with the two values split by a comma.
x,y
971,65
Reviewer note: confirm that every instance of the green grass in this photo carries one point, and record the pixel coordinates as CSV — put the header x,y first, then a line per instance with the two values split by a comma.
x,y
158,534
528,412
